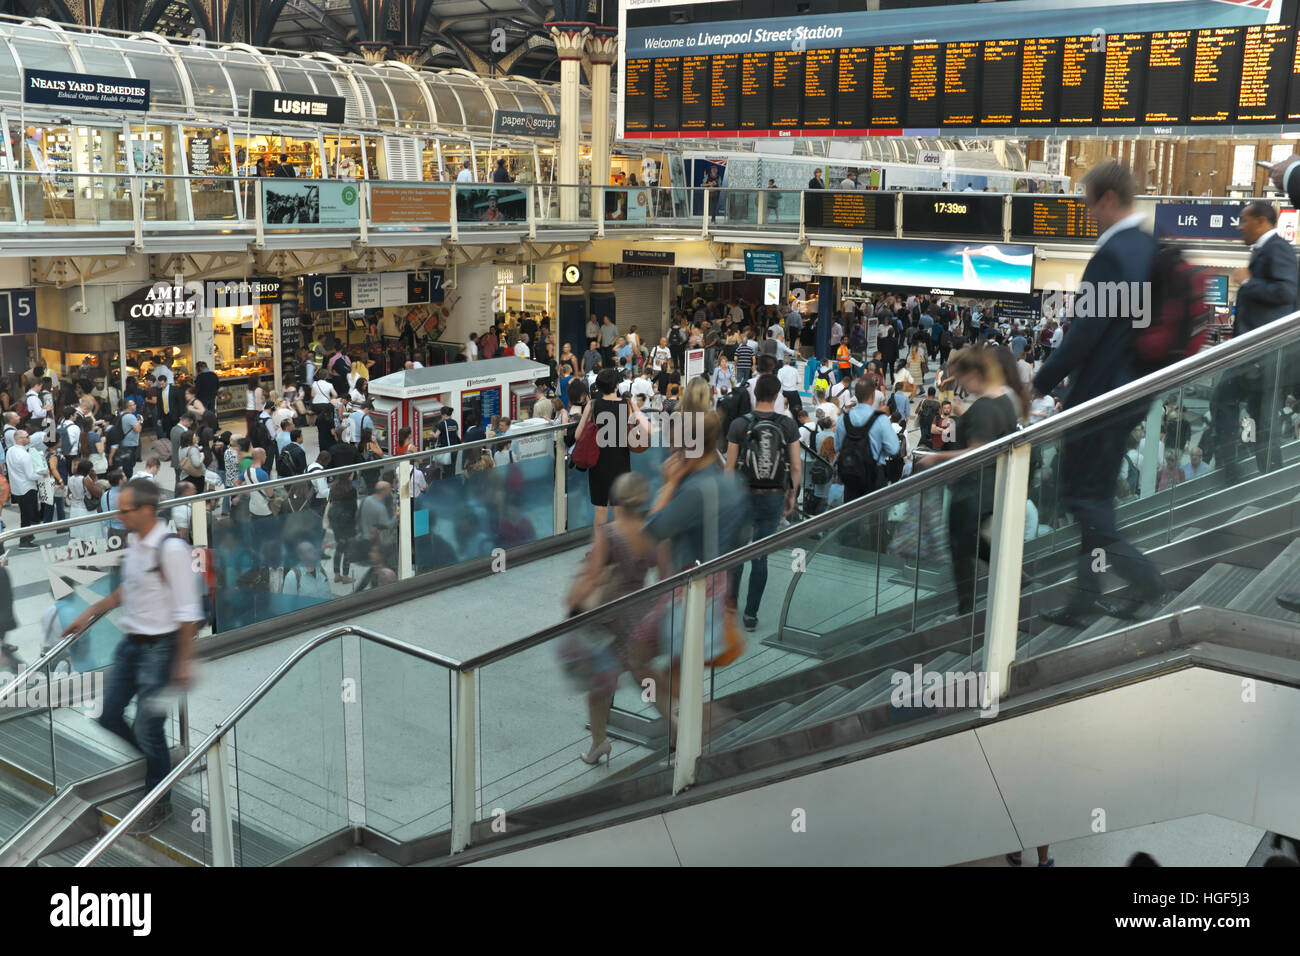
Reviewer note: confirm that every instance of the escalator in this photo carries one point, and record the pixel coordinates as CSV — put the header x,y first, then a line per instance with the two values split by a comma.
x,y
479,757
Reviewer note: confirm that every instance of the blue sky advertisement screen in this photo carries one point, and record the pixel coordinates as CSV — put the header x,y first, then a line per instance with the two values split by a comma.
x,y
990,268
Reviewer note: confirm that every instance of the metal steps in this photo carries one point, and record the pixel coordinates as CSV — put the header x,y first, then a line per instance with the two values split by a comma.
x,y
1281,574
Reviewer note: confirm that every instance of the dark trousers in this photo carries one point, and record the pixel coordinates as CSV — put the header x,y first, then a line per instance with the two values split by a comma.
x,y
126,457
765,513
968,547
1089,469
141,670
324,426
1255,386
793,402
29,508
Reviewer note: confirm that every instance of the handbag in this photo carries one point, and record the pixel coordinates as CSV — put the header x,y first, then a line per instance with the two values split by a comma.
x,y
192,463
444,459
259,503
586,452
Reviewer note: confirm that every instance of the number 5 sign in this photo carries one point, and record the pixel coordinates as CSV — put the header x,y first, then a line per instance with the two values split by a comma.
x,y
17,311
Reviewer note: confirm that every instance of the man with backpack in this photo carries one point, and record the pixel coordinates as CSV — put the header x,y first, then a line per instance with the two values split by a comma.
x,y
864,442
898,402
763,446
677,339
124,437
1098,355
161,605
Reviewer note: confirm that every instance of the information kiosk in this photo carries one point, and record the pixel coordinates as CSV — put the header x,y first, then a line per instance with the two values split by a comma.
x,y
475,391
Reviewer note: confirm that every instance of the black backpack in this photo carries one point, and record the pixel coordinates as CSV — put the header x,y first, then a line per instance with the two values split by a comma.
x,y
819,469
285,466
854,460
764,459
896,462
676,337
732,406
116,432
65,439
858,339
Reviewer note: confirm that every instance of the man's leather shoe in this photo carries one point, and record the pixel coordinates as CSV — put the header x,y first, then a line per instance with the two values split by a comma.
x,y
1290,602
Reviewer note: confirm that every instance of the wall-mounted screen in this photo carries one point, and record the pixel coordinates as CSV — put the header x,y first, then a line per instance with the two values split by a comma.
x,y
994,268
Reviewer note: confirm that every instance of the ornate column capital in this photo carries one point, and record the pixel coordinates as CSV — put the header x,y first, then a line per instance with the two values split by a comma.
x,y
570,39
602,47
374,52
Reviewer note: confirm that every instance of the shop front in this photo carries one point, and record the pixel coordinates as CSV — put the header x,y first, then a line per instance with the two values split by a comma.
x,y
156,325
245,337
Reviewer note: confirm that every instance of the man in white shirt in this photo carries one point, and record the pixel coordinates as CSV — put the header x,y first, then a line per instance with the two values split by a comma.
x,y
35,407
850,181
521,347
471,347
411,366
159,597
466,174
788,373
643,388
1025,369
22,484
659,355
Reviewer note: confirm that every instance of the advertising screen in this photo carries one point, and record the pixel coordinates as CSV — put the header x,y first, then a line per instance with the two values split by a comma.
x,y
1001,268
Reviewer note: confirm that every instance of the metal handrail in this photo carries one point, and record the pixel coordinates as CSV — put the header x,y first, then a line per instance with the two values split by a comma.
x,y
273,483
40,662
196,754
1245,346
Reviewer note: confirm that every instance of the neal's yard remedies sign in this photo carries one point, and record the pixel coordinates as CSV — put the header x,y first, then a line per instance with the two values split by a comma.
x,y
49,88
269,104
515,123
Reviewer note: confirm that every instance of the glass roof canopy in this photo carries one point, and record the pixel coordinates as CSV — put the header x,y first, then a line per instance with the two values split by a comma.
x,y
191,81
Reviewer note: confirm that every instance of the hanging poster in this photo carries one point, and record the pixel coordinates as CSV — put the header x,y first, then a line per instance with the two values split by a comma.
x,y
292,204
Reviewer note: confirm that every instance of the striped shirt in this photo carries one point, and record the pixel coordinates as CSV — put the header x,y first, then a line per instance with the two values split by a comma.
x,y
744,361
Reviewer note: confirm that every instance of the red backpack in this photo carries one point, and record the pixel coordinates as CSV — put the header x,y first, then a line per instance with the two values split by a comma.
x,y
1178,312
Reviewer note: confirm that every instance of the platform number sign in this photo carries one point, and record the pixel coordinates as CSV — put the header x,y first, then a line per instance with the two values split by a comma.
x,y
17,311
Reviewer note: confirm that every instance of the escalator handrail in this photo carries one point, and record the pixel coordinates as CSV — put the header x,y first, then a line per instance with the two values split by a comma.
x,y
1240,348
99,517
41,662
225,726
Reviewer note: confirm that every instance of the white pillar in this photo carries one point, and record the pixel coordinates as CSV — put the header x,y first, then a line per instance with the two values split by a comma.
x,y
569,46
602,49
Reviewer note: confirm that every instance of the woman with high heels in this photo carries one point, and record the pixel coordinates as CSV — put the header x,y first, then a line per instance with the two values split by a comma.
x,y
620,557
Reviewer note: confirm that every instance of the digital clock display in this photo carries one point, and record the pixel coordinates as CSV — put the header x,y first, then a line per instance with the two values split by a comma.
x,y
969,214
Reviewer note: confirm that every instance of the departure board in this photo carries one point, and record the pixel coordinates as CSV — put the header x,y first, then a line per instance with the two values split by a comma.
x,y
1055,217
667,84
1265,67
1212,94
695,93
724,93
953,214
853,99
1121,88
638,95
1000,83
1081,74
1169,80
787,89
961,83
819,86
923,85
867,211
1040,80
888,80
1169,67
755,88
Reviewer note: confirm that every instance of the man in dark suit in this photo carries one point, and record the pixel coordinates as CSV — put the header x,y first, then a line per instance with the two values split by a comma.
x,y
1267,292
171,404
206,386
1097,357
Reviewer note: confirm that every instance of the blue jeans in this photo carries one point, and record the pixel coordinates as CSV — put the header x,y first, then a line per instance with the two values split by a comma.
x,y
765,512
141,671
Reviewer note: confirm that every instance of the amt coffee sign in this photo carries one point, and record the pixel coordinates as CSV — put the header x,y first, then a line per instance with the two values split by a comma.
x,y
515,123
